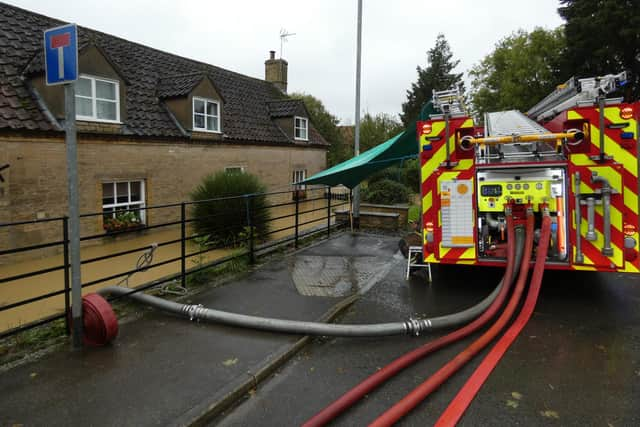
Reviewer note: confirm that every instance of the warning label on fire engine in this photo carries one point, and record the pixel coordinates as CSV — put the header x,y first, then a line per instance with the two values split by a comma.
x,y
456,213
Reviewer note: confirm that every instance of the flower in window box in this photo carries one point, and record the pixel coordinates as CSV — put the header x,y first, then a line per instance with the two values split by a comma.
x,y
123,221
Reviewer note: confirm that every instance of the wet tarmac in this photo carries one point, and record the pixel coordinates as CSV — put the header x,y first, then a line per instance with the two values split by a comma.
x,y
576,363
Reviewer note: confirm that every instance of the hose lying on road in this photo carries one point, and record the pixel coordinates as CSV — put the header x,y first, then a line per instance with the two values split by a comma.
x,y
408,327
514,256
423,390
461,402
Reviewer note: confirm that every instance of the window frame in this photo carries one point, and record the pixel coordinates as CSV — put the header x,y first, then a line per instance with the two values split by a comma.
x,y
205,115
242,169
138,204
296,127
296,179
94,98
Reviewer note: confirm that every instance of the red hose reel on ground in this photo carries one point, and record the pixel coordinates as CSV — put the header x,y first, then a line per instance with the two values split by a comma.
x,y
99,321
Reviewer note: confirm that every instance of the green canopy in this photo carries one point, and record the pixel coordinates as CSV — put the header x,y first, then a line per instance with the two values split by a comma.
x,y
351,172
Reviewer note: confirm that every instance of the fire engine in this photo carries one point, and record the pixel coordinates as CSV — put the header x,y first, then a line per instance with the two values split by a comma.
x,y
574,153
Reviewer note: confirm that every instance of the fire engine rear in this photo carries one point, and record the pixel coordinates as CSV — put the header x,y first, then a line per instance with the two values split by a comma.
x,y
573,155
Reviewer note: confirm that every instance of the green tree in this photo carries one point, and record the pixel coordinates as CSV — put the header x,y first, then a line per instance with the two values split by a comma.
x,y
603,37
522,69
437,75
375,130
327,124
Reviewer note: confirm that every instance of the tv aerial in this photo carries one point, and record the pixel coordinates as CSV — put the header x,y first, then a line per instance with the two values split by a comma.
x,y
283,38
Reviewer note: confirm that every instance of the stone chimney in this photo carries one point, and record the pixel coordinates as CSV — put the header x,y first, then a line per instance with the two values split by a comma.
x,y
275,71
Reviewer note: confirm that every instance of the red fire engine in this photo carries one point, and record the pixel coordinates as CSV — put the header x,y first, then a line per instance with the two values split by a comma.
x,y
575,152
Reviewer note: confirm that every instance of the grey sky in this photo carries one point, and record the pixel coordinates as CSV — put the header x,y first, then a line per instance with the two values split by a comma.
x,y
237,35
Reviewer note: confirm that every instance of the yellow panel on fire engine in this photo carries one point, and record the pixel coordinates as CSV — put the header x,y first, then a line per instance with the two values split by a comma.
x,y
456,213
493,195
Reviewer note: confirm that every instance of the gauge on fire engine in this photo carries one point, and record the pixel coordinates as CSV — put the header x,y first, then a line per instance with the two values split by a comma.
x,y
491,190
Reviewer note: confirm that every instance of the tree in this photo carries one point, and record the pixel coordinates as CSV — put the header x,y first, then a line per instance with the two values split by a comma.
x,y
375,130
603,37
327,124
437,75
522,69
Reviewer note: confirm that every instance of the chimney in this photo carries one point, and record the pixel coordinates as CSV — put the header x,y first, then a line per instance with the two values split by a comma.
x,y
275,71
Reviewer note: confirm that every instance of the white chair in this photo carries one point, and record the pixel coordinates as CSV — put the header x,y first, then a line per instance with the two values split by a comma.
x,y
414,261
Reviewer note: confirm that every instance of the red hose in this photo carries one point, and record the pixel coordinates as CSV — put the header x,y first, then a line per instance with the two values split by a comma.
x,y
461,402
418,394
373,381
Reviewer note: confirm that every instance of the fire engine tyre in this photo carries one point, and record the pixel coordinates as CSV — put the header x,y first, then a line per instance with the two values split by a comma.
x,y
99,320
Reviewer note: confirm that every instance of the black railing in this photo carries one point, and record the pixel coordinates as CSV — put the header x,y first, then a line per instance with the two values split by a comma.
x,y
292,215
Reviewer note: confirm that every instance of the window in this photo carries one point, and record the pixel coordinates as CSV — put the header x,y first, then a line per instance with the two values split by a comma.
x,y
120,196
298,176
97,99
234,169
206,115
301,128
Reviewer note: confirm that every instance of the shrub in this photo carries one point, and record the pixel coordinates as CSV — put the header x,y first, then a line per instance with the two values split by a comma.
x,y
412,175
225,221
386,192
391,173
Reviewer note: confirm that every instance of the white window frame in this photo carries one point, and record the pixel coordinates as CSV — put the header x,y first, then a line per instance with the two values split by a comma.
x,y
299,175
231,168
94,98
129,204
305,128
205,115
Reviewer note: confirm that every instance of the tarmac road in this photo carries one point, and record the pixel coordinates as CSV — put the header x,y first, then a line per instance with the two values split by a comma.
x,y
576,363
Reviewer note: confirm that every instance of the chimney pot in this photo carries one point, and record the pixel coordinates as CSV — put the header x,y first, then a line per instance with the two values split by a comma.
x,y
272,54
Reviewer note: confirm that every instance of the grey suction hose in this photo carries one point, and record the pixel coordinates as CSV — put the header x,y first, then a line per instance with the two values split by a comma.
x,y
409,327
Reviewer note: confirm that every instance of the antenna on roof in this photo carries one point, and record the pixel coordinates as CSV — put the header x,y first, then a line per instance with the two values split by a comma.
x,y
283,38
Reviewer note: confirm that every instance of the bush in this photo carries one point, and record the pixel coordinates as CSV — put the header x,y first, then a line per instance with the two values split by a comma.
x,y
386,192
391,173
412,175
225,221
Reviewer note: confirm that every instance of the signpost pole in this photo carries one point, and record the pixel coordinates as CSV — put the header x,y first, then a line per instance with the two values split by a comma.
x,y
74,212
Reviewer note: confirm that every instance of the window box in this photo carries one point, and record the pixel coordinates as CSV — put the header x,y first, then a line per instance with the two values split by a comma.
x,y
122,205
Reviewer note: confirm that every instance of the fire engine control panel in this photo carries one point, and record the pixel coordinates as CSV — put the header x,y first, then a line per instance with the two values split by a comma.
x,y
497,187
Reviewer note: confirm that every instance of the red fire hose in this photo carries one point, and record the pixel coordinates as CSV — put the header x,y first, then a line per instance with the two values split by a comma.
x,y
418,394
461,402
379,377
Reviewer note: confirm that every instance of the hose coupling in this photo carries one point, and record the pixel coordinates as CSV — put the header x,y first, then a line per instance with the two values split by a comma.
x,y
416,326
193,311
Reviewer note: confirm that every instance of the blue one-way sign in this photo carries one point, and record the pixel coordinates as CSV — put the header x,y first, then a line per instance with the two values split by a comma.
x,y
61,54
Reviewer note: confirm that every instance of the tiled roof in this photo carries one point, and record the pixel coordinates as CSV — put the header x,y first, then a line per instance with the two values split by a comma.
x,y
148,73
179,85
286,107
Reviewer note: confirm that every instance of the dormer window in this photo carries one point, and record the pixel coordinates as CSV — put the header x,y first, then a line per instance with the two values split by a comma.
x,y
301,128
206,115
97,99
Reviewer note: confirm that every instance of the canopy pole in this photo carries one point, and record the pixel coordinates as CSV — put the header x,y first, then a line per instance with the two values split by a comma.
x,y
351,210
356,145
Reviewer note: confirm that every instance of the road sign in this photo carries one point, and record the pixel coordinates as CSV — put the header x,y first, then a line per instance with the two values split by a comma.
x,y
61,54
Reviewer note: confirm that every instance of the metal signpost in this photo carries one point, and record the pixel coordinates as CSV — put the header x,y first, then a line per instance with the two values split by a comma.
x,y
61,67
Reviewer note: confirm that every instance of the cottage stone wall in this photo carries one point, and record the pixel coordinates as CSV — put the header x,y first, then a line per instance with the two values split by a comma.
x,y
36,184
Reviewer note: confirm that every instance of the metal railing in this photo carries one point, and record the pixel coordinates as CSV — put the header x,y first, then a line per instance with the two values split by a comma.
x,y
44,268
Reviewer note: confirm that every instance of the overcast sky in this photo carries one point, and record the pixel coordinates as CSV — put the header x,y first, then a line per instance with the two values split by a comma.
x,y
238,34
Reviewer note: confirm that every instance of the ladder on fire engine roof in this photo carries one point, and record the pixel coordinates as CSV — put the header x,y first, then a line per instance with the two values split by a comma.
x,y
575,93
448,102
515,123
